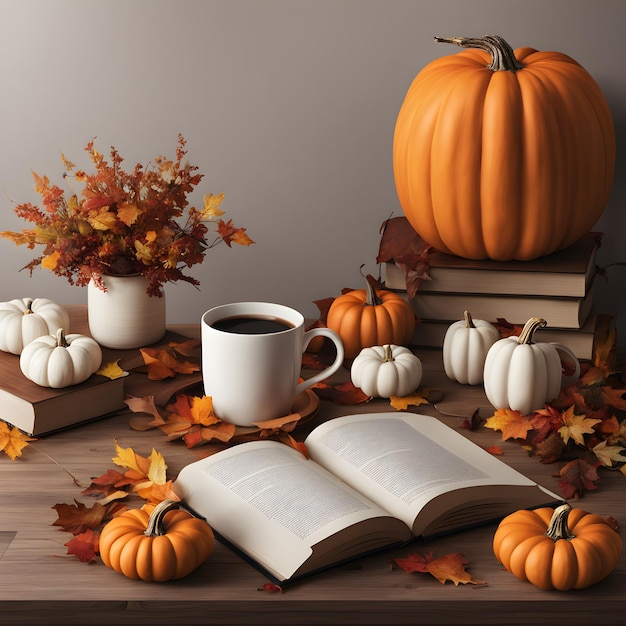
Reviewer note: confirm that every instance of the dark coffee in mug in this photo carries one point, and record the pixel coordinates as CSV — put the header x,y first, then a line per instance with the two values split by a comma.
x,y
252,325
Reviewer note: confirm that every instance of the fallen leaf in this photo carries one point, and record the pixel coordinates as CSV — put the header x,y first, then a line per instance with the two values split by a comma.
x,y
576,426
343,393
85,545
609,454
111,370
512,424
450,567
403,403
576,477
13,440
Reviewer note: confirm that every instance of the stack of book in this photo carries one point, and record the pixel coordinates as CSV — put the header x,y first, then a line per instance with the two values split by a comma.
x,y
557,287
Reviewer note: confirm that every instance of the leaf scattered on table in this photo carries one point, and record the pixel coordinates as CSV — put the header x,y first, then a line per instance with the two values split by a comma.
x,y
13,440
402,403
342,393
576,477
450,567
512,424
166,362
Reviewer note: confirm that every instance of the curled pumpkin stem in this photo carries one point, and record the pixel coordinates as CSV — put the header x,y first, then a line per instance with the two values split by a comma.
x,y
558,528
528,332
155,525
502,54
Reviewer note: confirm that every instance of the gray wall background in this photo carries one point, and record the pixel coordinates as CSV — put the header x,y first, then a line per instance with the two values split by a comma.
x,y
288,107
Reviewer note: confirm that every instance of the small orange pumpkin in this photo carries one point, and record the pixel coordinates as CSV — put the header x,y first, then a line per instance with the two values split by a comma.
x,y
560,548
156,547
368,317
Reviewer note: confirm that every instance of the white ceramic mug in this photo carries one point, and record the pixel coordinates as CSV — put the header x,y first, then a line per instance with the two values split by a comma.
x,y
570,365
252,373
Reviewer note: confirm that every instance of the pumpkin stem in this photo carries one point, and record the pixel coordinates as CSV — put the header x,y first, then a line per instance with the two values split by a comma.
x,y
469,322
29,307
528,332
61,340
372,298
502,55
388,356
155,522
558,528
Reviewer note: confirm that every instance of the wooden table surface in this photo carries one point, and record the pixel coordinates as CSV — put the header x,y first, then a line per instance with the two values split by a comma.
x,y
40,583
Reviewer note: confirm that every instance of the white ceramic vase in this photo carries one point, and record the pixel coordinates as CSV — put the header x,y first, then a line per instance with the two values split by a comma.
x,y
125,317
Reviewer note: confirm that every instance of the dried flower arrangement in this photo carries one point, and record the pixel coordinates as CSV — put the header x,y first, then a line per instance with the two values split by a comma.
x,y
135,222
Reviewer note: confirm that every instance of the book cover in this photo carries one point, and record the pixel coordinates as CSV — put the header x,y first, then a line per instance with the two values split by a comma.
x,y
566,273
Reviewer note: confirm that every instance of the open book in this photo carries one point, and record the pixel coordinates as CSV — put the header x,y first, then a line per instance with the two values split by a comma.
x,y
372,481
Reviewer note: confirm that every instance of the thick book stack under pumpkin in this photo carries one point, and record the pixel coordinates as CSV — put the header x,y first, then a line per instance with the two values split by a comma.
x,y
440,287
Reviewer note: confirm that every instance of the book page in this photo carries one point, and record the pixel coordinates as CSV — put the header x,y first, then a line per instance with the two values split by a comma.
x,y
407,462
274,504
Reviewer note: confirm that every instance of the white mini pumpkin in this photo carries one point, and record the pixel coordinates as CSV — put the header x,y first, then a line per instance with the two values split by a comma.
x,y
385,371
522,375
25,319
465,347
60,361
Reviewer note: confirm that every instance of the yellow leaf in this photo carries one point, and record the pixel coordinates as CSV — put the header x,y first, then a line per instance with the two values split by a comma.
x,y
202,410
12,440
144,253
608,454
402,403
126,458
50,262
211,208
158,468
576,426
103,221
112,370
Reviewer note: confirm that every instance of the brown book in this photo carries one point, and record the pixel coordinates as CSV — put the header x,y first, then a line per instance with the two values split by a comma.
x,y
566,273
431,333
558,312
40,410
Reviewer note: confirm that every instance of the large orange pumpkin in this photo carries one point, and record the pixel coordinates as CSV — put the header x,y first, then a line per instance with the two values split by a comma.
x,y
503,154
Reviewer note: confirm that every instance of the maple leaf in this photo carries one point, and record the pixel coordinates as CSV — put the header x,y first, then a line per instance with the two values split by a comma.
x,y
85,545
576,426
128,213
193,409
512,424
13,440
550,449
609,454
77,518
450,567
211,209
403,403
576,477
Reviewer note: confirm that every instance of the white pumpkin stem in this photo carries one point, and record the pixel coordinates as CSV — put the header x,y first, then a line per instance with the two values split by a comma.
x,y
469,322
502,55
388,356
61,340
372,299
29,307
528,332
558,528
